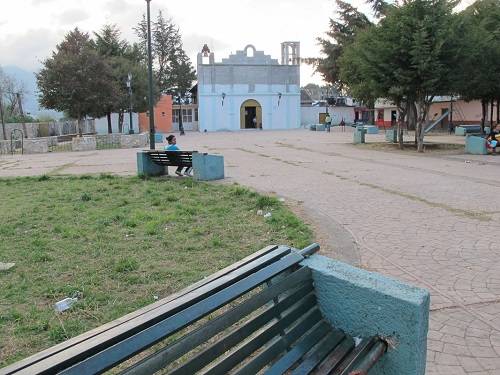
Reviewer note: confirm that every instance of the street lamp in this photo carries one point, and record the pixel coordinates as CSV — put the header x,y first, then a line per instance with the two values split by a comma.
x,y
129,85
150,79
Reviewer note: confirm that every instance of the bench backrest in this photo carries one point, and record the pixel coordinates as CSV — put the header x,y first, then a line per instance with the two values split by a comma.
x,y
172,158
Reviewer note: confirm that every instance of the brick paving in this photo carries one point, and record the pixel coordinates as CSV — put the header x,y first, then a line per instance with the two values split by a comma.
x,y
431,220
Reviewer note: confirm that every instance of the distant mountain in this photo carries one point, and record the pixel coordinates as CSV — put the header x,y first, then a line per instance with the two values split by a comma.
x,y
30,103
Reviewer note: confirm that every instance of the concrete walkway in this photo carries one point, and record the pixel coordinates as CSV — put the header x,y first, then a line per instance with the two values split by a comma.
x,y
432,220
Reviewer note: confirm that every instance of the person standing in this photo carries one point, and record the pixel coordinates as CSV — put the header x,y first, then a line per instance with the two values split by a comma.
x,y
172,146
342,124
328,122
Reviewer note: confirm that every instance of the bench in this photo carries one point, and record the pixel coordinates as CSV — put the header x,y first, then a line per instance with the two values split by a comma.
x,y
172,158
259,314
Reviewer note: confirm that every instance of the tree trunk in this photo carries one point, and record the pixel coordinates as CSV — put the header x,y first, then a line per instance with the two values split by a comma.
x,y
110,127
423,108
20,104
498,111
403,110
484,104
120,122
491,113
4,133
79,126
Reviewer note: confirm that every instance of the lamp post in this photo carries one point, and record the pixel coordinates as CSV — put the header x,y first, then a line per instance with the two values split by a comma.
x,y
129,85
181,126
150,77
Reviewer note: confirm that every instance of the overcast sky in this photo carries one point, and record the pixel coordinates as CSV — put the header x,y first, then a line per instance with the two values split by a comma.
x,y
30,29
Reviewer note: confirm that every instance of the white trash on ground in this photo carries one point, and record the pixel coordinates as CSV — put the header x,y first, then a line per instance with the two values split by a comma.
x,y
64,304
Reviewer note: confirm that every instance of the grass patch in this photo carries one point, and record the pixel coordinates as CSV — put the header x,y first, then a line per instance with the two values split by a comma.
x,y
117,243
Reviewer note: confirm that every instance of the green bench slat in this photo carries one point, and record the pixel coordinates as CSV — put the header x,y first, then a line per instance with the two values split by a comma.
x,y
300,279
318,352
299,349
111,356
230,360
134,315
238,334
280,344
335,357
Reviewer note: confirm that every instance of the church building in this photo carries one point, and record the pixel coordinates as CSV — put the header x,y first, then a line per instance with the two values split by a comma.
x,y
249,90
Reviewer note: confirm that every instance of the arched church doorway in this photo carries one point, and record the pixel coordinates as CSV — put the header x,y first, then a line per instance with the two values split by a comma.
x,y
251,115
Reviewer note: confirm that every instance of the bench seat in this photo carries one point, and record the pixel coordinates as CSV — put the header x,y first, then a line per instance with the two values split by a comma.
x,y
257,315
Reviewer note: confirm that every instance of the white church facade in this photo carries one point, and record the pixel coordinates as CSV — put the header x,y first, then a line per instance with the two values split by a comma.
x,y
249,90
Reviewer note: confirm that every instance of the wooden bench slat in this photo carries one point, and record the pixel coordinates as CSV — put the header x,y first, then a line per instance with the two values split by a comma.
x,y
281,343
238,334
230,360
299,349
300,278
133,315
115,354
318,352
335,357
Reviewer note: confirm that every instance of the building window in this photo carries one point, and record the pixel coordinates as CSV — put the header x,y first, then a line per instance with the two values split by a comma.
x,y
187,115
196,114
175,115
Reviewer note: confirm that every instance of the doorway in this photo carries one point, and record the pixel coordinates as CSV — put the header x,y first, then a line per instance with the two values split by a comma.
x,y
251,115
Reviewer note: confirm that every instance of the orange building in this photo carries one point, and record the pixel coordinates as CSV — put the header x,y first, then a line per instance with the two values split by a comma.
x,y
163,116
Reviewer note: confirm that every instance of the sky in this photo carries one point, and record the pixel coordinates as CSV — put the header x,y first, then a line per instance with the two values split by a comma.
x,y
31,29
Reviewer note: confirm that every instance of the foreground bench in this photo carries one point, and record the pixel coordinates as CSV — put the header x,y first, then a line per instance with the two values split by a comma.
x,y
264,314
172,158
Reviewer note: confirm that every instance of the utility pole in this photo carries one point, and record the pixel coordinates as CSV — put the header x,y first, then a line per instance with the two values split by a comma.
x,y
129,85
150,76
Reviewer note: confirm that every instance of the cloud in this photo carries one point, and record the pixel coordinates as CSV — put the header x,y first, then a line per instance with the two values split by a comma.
x,y
28,49
193,43
72,16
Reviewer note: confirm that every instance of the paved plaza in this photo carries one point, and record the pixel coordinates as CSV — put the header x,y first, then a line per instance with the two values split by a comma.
x,y
432,220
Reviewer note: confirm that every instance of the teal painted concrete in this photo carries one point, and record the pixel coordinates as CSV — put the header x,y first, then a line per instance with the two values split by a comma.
x,y
359,135
208,167
159,138
371,129
320,127
146,167
459,130
365,303
475,145
391,135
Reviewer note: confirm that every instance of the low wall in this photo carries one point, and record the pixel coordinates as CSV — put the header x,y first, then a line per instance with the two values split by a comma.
x,y
48,129
83,144
134,140
363,303
36,146
4,147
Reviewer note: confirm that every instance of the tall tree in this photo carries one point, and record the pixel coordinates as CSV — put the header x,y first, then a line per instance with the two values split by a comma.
x,y
76,79
408,57
476,77
342,32
124,59
173,69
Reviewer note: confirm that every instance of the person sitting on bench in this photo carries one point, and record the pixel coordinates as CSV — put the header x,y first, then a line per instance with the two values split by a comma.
x,y
172,146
